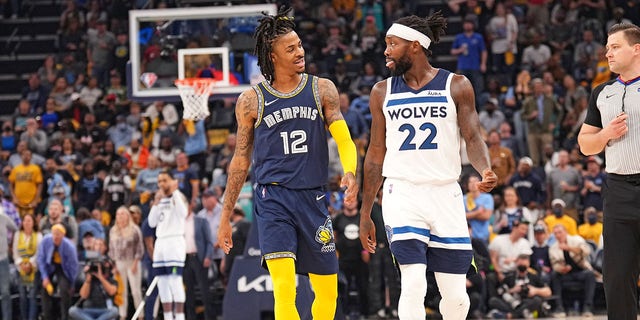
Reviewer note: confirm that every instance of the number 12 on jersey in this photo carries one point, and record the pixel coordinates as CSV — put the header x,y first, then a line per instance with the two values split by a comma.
x,y
294,142
427,144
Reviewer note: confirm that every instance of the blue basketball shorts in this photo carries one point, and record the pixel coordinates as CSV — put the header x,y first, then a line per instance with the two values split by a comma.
x,y
296,224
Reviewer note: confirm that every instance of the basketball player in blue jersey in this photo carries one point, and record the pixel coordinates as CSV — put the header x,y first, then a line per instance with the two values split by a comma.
x,y
282,129
418,115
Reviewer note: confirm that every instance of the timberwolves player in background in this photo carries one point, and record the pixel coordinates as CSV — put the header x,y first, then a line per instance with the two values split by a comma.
x,y
168,215
418,116
282,124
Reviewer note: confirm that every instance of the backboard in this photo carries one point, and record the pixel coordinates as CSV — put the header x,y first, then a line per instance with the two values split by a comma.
x,y
169,44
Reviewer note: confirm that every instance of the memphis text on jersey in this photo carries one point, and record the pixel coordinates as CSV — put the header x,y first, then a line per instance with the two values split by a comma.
x,y
289,113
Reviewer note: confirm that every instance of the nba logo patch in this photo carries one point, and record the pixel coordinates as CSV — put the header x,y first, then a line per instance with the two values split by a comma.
x,y
148,79
264,192
390,187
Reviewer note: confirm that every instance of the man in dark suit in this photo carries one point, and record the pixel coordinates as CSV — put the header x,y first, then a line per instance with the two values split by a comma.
x,y
199,257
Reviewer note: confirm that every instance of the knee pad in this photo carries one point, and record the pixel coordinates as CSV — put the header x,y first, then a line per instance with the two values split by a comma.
x,y
455,301
164,289
177,288
325,288
414,289
283,276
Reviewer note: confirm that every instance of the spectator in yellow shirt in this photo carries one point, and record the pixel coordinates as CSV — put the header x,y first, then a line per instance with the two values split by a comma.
x,y
558,217
26,184
591,229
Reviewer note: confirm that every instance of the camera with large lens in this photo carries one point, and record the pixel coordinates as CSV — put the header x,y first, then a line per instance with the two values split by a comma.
x,y
95,261
94,264
509,298
524,290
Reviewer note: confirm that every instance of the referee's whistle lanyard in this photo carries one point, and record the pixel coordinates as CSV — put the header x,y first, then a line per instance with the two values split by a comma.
x,y
624,93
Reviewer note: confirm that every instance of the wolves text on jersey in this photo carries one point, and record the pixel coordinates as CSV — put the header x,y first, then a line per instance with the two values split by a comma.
x,y
418,112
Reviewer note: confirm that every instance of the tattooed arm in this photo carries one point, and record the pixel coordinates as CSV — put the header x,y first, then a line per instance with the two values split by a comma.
x,y
373,166
246,114
463,95
330,101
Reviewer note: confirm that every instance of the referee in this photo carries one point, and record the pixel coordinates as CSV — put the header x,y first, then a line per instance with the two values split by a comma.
x,y
613,125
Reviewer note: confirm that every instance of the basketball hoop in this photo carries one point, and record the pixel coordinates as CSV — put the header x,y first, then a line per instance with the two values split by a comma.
x,y
195,93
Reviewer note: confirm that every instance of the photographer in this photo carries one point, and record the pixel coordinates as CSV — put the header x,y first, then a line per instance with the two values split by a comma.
x,y
98,290
522,292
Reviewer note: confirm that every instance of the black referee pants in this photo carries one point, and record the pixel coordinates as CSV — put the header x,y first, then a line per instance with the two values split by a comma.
x,y
621,265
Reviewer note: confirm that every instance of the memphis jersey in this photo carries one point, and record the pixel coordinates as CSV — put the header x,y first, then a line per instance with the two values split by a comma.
x,y
290,140
168,216
422,138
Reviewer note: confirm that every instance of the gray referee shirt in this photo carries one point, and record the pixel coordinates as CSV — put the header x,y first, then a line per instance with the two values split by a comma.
x,y
606,103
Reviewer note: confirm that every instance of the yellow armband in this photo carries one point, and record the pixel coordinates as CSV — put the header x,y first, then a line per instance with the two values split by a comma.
x,y
346,147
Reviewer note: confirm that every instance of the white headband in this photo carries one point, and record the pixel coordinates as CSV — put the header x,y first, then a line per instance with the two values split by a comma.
x,y
409,34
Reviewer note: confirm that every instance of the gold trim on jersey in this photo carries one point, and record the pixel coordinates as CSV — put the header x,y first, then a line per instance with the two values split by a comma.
x,y
281,254
316,96
260,105
278,94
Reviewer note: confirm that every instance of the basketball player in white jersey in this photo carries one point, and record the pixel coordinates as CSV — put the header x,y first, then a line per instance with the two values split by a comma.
x,y
168,215
419,115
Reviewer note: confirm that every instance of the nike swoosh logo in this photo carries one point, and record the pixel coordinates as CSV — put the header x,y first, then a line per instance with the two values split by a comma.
x,y
318,198
609,96
270,102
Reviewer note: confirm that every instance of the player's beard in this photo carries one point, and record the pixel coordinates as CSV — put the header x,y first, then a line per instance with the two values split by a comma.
x,y
167,191
402,65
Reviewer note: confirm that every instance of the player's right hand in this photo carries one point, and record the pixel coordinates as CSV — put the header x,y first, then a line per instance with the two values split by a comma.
x,y
224,236
489,180
351,193
367,234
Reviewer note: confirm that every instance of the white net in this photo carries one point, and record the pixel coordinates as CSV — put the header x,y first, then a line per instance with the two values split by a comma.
x,y
194,93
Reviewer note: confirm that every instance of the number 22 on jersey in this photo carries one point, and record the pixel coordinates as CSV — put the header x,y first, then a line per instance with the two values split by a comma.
x,y
427,143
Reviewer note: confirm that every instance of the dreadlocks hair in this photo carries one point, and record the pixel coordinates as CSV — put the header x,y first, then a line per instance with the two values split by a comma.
x,y
432,26
269,29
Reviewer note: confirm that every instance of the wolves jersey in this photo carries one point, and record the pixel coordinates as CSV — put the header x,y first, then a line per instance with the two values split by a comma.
x,y
423,137
290,139
169,215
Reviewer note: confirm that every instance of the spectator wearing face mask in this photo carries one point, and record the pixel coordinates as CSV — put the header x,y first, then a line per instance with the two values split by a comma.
x,y
591,229
121,133
557,216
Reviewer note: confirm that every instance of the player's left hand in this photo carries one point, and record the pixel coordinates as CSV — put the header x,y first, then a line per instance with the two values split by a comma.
x,y
489,180
224,236
351,194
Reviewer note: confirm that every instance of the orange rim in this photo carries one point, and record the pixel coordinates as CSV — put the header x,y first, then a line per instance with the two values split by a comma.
x,y
199,85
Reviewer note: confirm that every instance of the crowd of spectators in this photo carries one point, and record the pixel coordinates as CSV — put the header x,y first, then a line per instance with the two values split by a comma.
x,y
80,160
